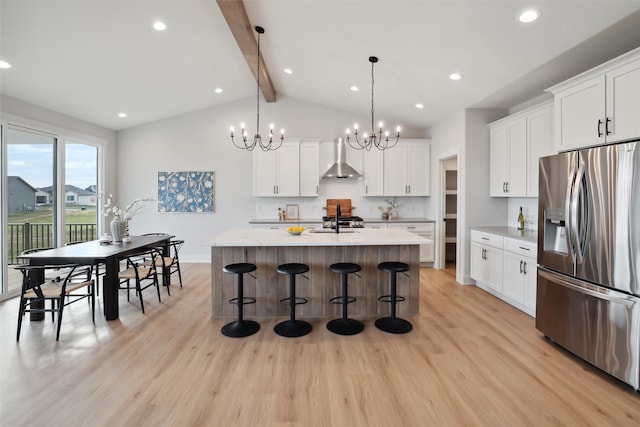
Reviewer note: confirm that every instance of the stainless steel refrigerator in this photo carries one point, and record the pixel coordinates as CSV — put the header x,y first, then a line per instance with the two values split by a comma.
x,y
588,288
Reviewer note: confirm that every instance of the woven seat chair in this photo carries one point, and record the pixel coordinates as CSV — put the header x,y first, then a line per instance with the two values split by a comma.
x,y
46,283
143,274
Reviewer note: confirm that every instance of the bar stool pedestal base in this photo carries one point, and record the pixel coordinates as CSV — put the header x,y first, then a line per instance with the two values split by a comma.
x,y
345,326
240,328
292,328
393,325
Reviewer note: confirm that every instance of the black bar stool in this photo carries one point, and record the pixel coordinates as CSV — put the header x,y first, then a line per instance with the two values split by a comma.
x,y
292,328
393,324
344,326
240,328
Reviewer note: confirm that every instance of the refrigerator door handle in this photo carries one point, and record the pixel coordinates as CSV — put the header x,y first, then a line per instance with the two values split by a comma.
x,y
567,208
579,212
574,223
607,295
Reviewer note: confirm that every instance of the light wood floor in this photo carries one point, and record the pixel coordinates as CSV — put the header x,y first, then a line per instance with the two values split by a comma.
x,y
471,360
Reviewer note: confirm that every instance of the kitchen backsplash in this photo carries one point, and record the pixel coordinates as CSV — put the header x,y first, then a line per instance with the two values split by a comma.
x,y
366,207
529,209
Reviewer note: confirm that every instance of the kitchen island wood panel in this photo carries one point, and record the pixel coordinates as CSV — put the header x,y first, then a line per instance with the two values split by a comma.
x,y
270,248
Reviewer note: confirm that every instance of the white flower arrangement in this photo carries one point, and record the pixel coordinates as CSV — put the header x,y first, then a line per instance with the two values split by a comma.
x,y
126,214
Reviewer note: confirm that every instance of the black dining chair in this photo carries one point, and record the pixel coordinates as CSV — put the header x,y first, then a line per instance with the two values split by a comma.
x,y
59,284
144,274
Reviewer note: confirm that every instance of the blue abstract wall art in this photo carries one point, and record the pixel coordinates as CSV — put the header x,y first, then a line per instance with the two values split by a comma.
x,y
185,192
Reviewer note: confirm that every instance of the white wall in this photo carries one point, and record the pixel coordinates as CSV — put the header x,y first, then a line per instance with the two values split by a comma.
x,y
465,134
200,141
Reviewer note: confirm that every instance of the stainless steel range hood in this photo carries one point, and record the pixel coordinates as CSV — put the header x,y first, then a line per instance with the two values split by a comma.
x,y
341,169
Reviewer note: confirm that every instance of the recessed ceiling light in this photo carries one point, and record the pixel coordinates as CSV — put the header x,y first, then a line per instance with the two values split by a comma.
x,y
159,26
288,71
455,76
419,106
4,65
528,15
218,90
122,115
354,88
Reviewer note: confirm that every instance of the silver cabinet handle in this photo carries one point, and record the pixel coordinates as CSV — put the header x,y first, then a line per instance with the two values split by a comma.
x,y
599,128
524,270
520,266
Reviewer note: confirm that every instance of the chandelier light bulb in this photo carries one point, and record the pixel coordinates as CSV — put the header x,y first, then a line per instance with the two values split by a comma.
x,y
380,125
355,126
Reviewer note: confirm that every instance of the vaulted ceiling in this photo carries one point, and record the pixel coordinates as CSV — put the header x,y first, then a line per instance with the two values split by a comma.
x,y
94,59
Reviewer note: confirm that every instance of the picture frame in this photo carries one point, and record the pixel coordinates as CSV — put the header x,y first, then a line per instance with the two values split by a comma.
x,y
292,211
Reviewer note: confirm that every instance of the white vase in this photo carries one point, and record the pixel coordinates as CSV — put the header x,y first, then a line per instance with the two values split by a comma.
x,y
118,230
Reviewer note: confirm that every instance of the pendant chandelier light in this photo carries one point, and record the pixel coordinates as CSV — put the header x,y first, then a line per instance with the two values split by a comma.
x,y
257,138
379,139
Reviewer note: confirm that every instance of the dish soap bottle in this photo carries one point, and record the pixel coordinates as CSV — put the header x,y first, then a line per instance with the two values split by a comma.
x,y
520,220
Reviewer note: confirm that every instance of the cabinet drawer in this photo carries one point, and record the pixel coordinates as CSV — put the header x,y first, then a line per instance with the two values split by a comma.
x,y
488,239
521,247
418,227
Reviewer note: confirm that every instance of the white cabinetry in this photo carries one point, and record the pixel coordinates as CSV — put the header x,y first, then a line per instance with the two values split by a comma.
x,y
309,168
373,175
426,229
505,267
407,169
509,158
517,142
486,260
290,171
519,274
599,106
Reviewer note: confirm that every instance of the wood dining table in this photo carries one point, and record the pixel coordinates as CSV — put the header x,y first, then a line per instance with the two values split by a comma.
x,y
94,253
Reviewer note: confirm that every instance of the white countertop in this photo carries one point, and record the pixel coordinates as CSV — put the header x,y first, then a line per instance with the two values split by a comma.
x,y
529,236
361,237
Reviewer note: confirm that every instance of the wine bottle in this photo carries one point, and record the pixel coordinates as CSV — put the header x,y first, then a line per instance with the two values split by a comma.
x,y
520,220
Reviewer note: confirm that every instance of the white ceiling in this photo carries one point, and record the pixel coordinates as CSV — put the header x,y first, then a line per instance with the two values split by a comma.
x,y
93,59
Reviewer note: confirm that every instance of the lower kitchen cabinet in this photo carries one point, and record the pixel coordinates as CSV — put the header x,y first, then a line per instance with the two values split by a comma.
x,y
486,260
426,229
506,268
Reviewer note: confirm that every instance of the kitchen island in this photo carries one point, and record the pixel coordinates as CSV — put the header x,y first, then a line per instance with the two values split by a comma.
x,y
268,248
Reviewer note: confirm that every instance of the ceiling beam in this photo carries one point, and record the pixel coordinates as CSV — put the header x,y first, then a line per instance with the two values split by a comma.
x,y
245,35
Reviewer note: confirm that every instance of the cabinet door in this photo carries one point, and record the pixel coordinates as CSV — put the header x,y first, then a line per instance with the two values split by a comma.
x,y
579,114
498,168
493,258
288,170
517,157
623,102
530,283
395,170
513,280
419,170
373,173
478,265
264,173
309,169
539,144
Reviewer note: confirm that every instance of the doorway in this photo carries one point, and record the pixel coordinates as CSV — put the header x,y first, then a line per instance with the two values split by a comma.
x,y
449,213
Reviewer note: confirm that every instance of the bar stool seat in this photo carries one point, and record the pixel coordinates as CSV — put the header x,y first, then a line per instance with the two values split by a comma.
x,y
393,324
344,325
292,328
240,328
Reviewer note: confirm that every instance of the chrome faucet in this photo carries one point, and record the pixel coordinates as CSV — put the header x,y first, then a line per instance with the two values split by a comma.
x,y
338,214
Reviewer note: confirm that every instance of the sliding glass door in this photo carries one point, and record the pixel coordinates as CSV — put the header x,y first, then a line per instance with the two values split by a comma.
x,y
49,195
30,203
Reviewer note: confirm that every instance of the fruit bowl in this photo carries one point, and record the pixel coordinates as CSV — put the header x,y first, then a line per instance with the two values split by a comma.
x,y
295,231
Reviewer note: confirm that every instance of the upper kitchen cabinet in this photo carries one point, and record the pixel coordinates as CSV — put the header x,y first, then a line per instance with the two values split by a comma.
x,y
407,169
599,106
516,143
508,151
276,173
373,175
309,168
